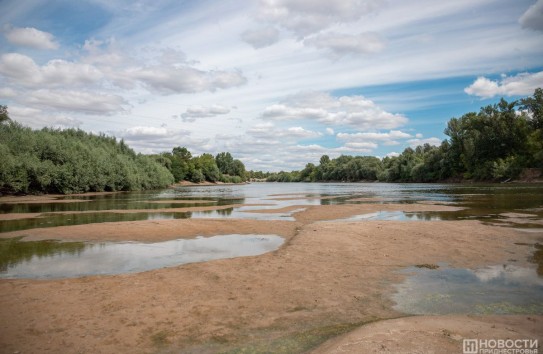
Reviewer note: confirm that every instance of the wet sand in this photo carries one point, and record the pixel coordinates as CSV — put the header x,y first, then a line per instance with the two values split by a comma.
x,y
327,277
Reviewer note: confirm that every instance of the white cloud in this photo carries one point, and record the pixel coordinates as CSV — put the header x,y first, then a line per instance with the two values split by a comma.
x,y
76,101
37,118
372,136
106,52
521,84
388,139
533,17
361,145
261,37
393,154
145,132
329,131
22,70
304,17
267,131
167,80
354,111
344,44
30,37
151,139
194,112
432,141
7,92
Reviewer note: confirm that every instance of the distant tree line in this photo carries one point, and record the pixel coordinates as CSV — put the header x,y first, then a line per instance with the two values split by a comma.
x,y
73,161
183,166
495,144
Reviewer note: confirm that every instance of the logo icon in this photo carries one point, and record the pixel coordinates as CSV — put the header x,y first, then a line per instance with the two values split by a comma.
x,y
470,346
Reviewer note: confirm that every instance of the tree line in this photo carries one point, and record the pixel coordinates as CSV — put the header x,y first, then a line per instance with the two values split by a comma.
x,y
184,167
73,161
495,144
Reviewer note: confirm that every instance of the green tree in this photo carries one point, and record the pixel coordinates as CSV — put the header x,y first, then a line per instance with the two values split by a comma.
x,y
225,163
4,115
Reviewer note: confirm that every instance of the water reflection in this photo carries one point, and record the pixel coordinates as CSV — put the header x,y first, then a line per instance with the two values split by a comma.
x,y
51,259
397,216
53,220
498,289
13,251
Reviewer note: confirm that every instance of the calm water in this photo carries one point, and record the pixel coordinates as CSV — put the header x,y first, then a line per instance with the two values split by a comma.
x,y
483,202
51,259
498,289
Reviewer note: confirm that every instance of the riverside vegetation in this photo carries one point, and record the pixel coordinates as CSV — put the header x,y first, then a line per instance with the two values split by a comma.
x,y
495,144
73,161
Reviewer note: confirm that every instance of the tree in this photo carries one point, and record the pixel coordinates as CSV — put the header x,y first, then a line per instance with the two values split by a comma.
x,y
238,169
4,115
534,106
225,163
181,166
324,159
206,163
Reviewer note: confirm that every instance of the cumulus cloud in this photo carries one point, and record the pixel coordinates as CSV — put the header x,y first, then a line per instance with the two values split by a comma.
x,y
361,145
521,84
353,111
388,139
431,141
261,37
267,131
167,80
37,118
7,92
22,70
304,17
30,37
533,17
373,136
104,52
76,101
195,112
163,79
343,44
145,132
149,139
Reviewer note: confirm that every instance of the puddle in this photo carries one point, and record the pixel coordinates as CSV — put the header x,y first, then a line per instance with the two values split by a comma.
x,y
395,216
52,259
498,289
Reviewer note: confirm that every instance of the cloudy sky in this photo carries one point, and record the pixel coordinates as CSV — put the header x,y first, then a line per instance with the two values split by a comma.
x,y
278,83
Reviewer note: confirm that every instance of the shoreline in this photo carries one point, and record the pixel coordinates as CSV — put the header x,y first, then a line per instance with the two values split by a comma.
x,y
54,197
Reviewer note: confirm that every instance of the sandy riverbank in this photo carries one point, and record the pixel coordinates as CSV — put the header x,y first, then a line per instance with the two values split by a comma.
x,y
326,277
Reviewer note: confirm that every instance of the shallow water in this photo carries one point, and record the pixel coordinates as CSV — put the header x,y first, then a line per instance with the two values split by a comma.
x,y
51,259
482,202
498,289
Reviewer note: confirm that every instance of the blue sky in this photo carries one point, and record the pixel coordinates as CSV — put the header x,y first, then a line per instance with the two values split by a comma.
x,y
278,83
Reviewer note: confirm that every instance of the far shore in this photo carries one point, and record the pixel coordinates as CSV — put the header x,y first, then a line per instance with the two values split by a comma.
x,y
55,197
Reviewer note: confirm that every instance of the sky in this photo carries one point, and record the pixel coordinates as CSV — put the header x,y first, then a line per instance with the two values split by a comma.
x,y
277,83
